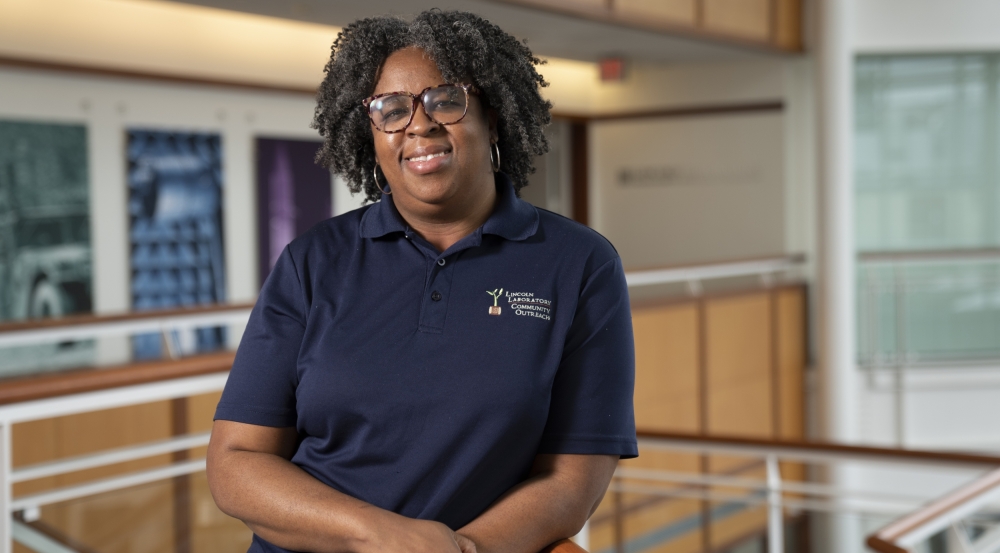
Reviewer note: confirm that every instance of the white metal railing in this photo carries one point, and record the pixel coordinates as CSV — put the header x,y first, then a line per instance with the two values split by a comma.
x,y
764,268
83,403
166,323
779,495
117,326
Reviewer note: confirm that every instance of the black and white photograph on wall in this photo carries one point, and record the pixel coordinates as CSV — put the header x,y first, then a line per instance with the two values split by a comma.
x,y
45,253
175,226
293,194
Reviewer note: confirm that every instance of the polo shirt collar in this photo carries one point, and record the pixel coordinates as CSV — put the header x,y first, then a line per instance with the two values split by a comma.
x,y
512,218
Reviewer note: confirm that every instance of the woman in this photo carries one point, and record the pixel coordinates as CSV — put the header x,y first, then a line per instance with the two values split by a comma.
x,y
449,369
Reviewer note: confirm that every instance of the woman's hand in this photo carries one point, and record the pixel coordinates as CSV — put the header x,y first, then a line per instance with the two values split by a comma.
x,y
420,536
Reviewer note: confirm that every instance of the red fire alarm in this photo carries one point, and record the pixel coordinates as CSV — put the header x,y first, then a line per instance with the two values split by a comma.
x,y
612,69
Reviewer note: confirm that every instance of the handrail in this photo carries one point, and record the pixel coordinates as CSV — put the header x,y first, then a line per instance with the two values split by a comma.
x,y
81,327
901,535
64,383
563,546
922,522
925,256
759,266
51,407
811,451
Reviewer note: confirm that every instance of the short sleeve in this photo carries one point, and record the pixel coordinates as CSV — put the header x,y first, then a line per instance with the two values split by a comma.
x,y
591,410
262,382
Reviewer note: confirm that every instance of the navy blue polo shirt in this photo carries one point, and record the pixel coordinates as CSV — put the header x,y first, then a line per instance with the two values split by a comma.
x,y
425,382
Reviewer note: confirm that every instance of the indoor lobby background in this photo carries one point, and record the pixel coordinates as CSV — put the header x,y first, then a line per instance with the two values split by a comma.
x,y
805,195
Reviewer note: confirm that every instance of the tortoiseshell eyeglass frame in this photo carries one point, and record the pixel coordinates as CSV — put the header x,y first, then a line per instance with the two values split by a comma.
x,y
418,98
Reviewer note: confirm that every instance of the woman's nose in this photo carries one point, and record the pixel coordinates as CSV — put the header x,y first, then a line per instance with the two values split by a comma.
x,y
422,124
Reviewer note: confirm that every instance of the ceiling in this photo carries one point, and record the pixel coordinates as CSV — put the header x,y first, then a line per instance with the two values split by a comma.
x,y
548,34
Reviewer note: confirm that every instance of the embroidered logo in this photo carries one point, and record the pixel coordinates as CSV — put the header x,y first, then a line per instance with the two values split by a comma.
x,y
495,309
527,304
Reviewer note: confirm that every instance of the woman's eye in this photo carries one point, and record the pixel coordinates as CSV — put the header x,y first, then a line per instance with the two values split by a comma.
x,y
395,114
446,104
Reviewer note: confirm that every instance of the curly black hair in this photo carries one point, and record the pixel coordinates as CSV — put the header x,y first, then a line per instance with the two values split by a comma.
x,y
466,48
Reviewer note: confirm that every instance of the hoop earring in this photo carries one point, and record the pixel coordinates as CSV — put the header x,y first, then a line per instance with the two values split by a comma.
x,y
375,175
496,164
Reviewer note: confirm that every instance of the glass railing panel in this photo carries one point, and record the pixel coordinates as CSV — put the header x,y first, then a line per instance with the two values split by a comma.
x,y
925,313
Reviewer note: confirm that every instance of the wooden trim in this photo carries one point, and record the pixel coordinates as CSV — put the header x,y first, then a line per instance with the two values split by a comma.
x,y
883,546
181,484
882,453
697,33
580,171
618,526
69,67
680,111
87,380
774,322
887,536
772,22
79,320
704,465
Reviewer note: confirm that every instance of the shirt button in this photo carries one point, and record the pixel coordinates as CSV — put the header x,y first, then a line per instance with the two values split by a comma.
x,y
441,262
435,295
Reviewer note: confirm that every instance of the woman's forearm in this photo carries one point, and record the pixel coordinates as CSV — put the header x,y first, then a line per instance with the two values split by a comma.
x,y
286,506
252,479
553,504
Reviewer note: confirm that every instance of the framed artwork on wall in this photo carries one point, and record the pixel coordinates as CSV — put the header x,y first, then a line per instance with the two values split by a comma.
x,y
45,248
293,194
175,230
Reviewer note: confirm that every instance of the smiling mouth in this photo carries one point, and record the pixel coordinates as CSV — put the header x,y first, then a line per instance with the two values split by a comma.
x,y
428,157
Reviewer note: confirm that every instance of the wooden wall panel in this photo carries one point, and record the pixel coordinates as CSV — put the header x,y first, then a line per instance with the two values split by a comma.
x,y
46,440
674,11
755,344
745,18
666,367
737,526
757,24
739,365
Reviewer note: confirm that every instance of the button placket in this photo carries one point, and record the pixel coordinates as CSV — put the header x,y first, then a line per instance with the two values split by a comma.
x,y
434,305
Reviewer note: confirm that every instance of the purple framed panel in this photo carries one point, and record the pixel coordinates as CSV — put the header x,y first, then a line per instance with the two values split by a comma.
x,y
293,194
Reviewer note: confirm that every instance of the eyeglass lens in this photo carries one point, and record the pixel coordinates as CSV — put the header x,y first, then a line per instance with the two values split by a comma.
x,y
444,105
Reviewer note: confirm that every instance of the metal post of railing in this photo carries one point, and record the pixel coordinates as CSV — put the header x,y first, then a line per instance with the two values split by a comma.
x,y
775,512
899,296
6,530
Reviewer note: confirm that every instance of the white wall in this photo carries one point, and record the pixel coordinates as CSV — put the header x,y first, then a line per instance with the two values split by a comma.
x,y
696,189
921,26
769,213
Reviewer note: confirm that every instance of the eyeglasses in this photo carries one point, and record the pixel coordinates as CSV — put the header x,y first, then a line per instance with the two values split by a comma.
x,y
445,104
